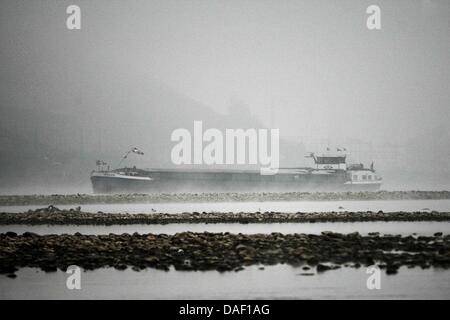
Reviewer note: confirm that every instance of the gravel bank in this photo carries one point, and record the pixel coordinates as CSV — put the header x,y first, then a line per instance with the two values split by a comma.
x,y
53,216
218,197
220,251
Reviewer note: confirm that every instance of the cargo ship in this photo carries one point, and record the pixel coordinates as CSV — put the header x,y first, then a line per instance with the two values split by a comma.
x,y
330,173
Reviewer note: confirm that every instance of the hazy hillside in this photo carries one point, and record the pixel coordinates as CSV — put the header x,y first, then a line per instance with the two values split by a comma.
x,y
49,149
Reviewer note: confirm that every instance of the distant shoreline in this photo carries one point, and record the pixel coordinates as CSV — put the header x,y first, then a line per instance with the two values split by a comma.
x,y
78,199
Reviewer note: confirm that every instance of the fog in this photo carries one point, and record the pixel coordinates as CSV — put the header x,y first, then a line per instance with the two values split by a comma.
x,y
137,70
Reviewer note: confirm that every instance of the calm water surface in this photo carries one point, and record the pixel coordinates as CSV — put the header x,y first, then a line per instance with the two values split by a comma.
x,y
274,282
403,228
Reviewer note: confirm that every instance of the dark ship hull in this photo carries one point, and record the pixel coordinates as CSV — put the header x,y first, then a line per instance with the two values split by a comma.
x,y
128,180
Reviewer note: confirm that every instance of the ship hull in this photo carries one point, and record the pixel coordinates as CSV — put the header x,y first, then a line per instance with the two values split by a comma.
x,y
189,181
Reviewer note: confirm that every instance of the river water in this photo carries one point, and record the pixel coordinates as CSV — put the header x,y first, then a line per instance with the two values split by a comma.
x,y
395,227
274,282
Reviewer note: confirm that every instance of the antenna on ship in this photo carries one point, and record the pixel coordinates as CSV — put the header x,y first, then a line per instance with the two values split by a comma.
x,y
312,155
132,150
101,165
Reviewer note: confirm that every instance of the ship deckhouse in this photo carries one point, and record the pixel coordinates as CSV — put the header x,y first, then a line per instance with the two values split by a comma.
x,y
330,162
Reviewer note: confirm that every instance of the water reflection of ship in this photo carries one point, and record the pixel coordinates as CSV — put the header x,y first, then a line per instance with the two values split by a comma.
x,y
329,173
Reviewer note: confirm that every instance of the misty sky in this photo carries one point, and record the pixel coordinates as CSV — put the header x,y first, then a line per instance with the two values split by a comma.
x,y
310,68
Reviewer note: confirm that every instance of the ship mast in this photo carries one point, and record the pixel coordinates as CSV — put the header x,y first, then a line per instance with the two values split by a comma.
x,y
132,150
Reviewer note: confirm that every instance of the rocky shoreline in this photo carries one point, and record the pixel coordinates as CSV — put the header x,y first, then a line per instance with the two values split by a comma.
x,y
53,216
76,199
221,251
